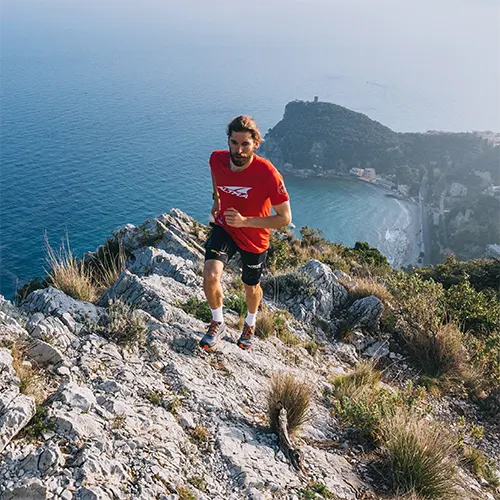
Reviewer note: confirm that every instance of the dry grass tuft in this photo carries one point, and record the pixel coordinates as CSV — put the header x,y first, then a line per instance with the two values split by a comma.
x,y
274,323
33,380
264,326
68,274
422,456
109,263
362,380
365,287
292,394
442,355
200,434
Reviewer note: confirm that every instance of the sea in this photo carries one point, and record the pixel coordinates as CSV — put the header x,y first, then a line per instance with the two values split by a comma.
x,y
109,109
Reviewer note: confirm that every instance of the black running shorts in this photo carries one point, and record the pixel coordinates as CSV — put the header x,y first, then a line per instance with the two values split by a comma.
x,y
220,246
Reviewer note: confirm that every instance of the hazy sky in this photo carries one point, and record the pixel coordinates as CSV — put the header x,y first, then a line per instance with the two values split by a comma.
x,y
444,50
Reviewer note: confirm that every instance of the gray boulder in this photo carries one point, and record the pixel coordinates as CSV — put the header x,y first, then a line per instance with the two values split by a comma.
x,y
151,260
313,293
74,396
174,232
51,329
29,489
157,295
44,353
365,313
14,417
54,302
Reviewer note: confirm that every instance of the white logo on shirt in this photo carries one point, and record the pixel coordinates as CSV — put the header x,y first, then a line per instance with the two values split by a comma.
x,y
239,191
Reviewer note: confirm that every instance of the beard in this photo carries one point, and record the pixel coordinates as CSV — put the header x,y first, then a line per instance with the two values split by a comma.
x,y
239,160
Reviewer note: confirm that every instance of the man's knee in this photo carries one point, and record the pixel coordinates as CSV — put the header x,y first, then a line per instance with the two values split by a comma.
x,y
212,271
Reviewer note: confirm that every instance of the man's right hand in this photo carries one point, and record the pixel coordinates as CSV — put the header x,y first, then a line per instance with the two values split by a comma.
x,y
215,208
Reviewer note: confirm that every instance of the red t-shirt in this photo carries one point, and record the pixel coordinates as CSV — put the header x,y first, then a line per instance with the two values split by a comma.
x,y
252,192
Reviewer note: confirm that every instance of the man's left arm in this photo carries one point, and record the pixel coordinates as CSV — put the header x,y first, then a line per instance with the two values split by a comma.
x,y
282,218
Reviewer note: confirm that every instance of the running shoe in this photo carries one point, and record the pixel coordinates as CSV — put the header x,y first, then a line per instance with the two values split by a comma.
x,y
245,340
215,332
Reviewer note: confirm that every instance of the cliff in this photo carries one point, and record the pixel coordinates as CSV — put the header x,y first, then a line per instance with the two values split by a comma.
x,y
114,399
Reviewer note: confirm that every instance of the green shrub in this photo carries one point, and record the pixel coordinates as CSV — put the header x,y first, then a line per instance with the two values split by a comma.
x,y
362,253
237,303
313,489
185,493
420,304
121,324
360,403
154,397
197,308
39,423
312,237
478,312
485,356
480,465
281,254
289,285
420,309
481,274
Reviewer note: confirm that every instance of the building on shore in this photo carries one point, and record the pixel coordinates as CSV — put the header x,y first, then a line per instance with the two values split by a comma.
x,y
370,174
357,172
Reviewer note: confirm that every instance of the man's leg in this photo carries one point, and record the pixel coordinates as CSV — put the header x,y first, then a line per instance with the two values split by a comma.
x,y
253,295
253,265
212,273
219,249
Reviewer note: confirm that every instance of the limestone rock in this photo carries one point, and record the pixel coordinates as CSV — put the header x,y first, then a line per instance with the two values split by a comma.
x,y
170,232
365,313
154,294
377,350
52,330
320,297
14,417
54,302
29,489
150,260
43,352
77,397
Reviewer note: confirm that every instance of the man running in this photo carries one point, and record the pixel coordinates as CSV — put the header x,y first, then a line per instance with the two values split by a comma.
x,y
245,187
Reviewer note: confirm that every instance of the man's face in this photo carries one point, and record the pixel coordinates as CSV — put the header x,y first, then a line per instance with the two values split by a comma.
x,y
241,147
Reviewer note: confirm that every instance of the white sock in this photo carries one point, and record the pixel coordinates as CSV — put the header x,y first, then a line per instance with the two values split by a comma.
x,y
250,319
217,315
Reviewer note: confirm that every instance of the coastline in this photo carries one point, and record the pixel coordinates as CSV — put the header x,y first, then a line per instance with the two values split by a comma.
x,y
401,244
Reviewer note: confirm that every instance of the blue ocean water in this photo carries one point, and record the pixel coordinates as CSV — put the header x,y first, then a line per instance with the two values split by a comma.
x,y
109,110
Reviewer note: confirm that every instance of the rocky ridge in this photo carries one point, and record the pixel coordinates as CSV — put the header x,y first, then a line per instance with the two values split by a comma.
x,y
151,421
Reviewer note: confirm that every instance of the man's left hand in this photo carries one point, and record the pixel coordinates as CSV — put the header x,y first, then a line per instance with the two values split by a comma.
x,y
234,218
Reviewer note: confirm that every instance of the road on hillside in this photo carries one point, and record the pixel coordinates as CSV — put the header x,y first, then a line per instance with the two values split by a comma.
x,y
424,188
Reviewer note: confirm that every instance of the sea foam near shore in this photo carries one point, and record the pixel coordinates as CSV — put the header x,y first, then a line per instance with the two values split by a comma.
x,y
401,242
